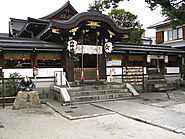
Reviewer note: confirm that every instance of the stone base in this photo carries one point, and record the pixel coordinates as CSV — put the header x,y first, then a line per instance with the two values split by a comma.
x,y
26,100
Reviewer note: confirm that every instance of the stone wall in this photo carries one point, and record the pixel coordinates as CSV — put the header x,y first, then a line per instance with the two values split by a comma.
x,y
43,87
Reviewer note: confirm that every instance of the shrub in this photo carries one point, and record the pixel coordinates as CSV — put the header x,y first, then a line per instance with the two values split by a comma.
x,y
12,84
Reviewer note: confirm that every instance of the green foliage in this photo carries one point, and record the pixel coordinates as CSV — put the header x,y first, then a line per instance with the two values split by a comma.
x,y
106,4
174,9
127,19
12,84
135,37
124,19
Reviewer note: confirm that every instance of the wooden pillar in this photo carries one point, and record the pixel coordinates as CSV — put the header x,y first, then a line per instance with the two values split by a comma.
x,y
146,63
34,59
69,66
126,59
180,63
1,59
102,66
183,32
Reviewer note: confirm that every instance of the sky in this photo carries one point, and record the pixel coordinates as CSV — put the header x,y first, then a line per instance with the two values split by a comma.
x,y
21,9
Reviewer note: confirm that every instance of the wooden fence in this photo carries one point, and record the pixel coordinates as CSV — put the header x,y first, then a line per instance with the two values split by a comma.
x,y
89,73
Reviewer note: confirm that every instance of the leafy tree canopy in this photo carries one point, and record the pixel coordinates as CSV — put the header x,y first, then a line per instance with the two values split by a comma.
x,y
174,9
127,19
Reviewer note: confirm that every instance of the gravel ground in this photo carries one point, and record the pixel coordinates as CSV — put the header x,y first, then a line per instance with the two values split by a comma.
x,y
44,123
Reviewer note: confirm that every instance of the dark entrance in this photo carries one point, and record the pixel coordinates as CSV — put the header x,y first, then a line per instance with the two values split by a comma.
x,y
90,61
89,67
156,69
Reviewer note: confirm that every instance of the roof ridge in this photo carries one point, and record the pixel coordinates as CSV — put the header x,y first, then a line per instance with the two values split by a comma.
x,y
59,10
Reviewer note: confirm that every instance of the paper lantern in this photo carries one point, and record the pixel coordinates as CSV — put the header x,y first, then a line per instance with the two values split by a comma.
x,y
148,58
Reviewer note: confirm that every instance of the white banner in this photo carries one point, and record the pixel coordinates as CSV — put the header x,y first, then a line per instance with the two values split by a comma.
x,y
47,72
89,49
115,71
173,69
22,72
42,72
113,63
156,56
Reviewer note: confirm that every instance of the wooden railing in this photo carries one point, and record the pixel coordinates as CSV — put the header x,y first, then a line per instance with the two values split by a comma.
x,y
89,73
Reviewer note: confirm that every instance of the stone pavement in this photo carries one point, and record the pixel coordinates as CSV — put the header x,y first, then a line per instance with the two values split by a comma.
x,y
160,117
80,111
44,123
157,109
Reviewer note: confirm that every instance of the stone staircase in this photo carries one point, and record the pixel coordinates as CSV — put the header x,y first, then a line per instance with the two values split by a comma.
x,y
94,93
161,85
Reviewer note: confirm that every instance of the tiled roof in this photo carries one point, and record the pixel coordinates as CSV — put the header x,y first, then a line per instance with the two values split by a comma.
x,y
177,44
118,47
26,43
159,24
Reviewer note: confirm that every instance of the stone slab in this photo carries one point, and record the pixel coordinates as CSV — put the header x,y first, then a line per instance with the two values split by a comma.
x,y
160,117
80,111
26,100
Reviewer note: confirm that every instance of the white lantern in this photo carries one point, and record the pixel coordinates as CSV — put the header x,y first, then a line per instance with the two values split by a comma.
x,y
166,59
72,45
108,47
148,58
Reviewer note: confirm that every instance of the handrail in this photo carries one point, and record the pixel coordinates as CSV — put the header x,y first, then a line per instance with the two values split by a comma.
x,y
67,82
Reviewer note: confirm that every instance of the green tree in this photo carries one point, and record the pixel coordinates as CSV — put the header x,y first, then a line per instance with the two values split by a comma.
x,y
127,19
12,84
174,9
106,4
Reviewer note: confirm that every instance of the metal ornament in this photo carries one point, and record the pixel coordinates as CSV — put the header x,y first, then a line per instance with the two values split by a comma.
x,y
108,47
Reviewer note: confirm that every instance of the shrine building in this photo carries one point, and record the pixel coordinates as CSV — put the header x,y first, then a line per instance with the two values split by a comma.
x,y
86,46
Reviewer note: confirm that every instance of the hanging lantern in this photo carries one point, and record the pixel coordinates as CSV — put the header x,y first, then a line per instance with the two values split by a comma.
x,y
108,47
72,45
148,58
98,33
166,59
12,58
23,58
44,58
54,58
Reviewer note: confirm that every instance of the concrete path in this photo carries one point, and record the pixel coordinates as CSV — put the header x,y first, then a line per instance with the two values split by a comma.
x,y
80,111
44,123
160,117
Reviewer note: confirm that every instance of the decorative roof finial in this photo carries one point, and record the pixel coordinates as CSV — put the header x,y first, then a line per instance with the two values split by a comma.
x,y
68,1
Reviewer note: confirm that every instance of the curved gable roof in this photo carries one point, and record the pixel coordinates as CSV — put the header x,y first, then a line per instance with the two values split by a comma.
x,y
89,16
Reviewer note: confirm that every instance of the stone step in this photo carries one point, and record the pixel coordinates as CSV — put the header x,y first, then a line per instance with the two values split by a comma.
x,y
96,87
104,100
100,97
166,88
96,92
